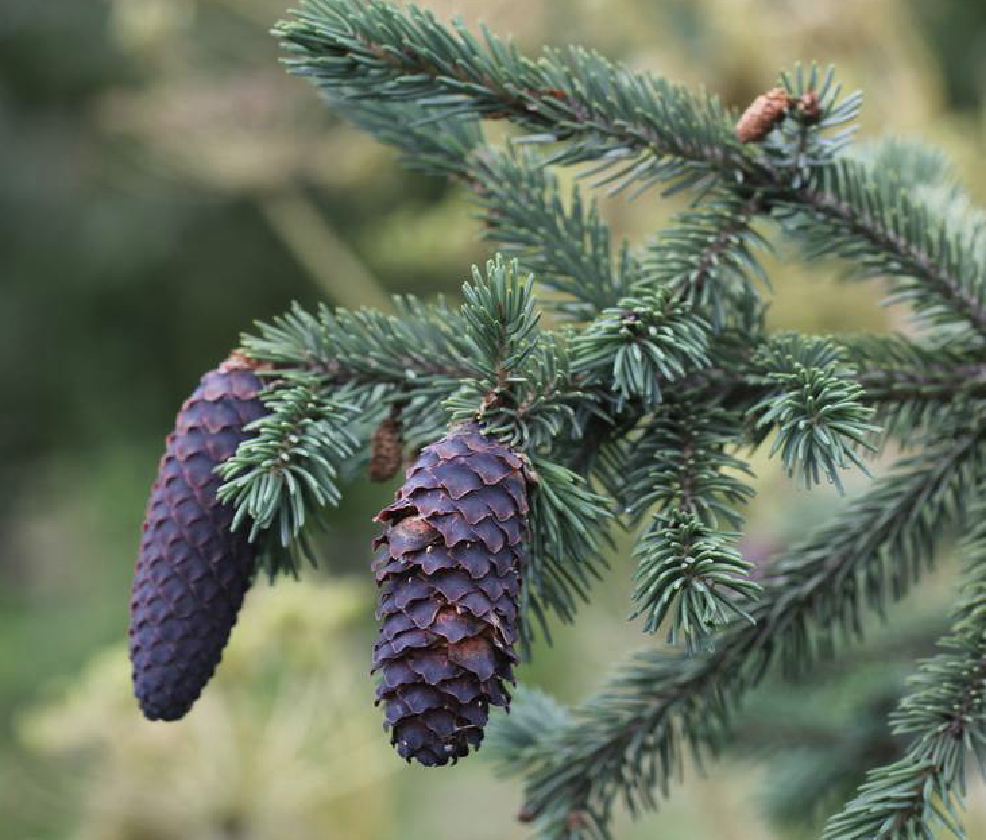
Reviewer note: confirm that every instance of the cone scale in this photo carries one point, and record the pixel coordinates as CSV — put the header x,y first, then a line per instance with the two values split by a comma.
x,y
448,569
192,573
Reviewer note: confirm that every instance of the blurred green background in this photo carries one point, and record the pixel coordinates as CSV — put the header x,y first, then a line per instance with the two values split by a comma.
x,y
162,184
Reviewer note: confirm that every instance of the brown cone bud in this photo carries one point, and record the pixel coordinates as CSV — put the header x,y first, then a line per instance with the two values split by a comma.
x,y
387,450
810,107
764,113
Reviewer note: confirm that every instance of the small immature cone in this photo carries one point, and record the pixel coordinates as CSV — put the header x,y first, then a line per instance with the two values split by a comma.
x,y
192,573
764,113
387,450
809,106
448,568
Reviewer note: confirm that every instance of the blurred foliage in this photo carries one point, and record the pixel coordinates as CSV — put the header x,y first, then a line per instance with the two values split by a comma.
x,y
284,743
164,183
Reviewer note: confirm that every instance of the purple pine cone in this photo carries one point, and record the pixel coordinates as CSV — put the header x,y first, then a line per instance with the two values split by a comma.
x,y
192,573
448,568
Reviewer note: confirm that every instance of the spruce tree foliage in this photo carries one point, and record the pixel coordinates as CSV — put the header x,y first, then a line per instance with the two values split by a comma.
x,y
641,407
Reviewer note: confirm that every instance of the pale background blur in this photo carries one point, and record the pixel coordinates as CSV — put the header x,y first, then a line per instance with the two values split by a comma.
x,y
163,183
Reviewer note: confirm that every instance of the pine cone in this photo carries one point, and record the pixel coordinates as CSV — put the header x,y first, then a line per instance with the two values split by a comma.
x,y
387,451
764,113
192,573
448,568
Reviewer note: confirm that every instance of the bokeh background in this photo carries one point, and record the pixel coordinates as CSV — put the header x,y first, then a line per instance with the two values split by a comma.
x,y
162,184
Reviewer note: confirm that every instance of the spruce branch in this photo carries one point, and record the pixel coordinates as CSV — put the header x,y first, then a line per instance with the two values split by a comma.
x,y
602,446
814,405
693,279
500,319
913,386
605,112
417,357
444,149
419,346
515,743
520,387
707,256
567,247
944,714
882,230
646,339
688,567
287,471
688,571
680,463
570,524
566,244
642,129
930,174
630,738
817,745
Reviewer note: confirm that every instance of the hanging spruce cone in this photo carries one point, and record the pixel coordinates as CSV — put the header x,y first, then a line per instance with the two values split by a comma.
x,y
192,573
764,113
448,568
